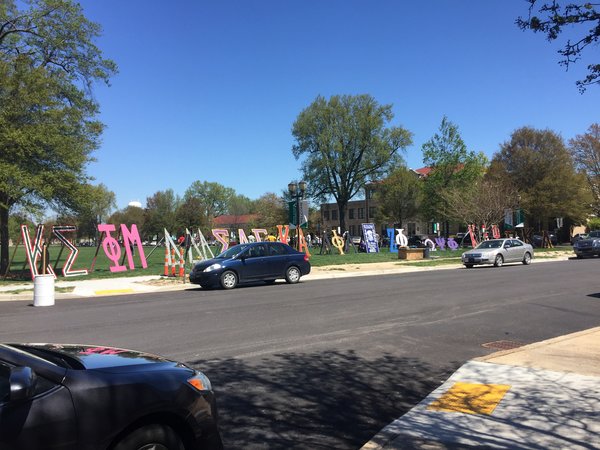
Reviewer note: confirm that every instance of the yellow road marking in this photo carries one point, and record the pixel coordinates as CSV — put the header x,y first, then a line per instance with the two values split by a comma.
x,y
113,291
471,398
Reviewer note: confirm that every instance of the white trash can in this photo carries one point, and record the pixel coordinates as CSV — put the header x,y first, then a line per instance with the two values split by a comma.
x,y
43,290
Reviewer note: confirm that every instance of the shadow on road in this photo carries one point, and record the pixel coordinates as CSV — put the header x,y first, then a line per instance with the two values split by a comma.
x,y
327,400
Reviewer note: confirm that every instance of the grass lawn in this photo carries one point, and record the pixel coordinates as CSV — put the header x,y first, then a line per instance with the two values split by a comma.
x,y
19,270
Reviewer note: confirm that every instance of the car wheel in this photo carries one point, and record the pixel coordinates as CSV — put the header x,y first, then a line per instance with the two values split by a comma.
x,y
292,275
229,279
469,266
579,257
527,259
498,261
269,281
151,437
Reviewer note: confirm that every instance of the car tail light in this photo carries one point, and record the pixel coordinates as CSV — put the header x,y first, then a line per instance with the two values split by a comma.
x,y
200,382
305,257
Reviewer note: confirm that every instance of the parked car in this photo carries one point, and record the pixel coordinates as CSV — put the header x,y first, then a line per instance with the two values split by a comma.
x,y
417,240
78,397
578,237
498,252
537,239
258,261
589,246
463,239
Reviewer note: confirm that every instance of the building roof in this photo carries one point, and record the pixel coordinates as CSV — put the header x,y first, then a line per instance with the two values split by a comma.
x,y
423,171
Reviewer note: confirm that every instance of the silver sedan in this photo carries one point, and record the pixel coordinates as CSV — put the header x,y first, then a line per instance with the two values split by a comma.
x,y
498,252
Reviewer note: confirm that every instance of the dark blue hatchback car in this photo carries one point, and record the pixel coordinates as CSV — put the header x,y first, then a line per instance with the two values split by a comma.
x,y
257,261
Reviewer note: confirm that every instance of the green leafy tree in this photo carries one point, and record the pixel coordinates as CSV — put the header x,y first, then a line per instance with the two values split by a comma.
x,y
96,206
346,142
541,169
271,210
190,215
586,153
239,205
214,198
594,223
15,221
48,125
128,216
579,19
399,197
161,213
452,167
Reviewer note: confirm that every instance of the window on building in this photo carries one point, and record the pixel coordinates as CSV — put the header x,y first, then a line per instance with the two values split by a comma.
x,y
334,215
351,213
371,212
352,230
325,215
361,213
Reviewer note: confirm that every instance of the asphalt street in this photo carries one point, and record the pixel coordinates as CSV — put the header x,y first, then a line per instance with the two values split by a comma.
x,y
327,363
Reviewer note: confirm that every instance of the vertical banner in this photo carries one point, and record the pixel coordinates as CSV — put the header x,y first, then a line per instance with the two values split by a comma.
x,y
508,218
370,239
392,239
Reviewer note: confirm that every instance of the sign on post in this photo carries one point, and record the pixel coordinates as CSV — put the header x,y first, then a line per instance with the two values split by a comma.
x,y
292,210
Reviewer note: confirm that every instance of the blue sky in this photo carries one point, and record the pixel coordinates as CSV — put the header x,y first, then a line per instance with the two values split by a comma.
x,y
209,90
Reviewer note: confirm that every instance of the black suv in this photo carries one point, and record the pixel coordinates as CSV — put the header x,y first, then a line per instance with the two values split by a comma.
x,y
589,246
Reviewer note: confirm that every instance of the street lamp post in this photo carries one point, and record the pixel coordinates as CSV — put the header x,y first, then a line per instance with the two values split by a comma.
x,y
297,193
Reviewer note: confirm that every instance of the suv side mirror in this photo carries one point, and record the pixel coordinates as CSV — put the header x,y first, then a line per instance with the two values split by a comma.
x,y
22,383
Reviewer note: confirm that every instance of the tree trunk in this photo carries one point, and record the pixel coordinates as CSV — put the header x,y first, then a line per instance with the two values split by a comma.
x,y
342,206
4,239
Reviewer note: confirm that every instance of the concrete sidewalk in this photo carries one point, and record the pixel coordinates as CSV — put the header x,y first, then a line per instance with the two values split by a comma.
x,y
540,396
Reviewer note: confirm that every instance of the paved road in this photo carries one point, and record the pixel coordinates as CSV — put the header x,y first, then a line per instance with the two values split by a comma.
x,y
326,364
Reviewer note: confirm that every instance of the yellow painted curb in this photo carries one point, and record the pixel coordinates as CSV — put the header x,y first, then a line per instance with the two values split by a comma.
x,y
470,398
114,291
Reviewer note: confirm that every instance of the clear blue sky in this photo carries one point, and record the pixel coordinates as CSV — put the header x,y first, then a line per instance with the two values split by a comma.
x,y
209,90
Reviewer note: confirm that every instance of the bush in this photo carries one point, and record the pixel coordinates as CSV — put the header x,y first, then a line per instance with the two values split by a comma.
x,y
594,224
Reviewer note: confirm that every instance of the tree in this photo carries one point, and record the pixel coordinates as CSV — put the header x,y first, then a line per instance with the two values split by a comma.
x,y
346,142
213,197
540,168
586,153
48,130
452,167
484,203
399,196
128,216
271,211
190,215
239,205
554,17
160,213
96,205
